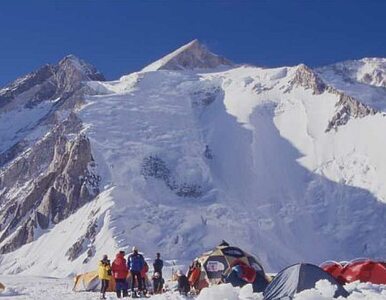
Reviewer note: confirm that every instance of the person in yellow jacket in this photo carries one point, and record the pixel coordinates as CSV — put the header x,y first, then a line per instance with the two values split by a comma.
x,y
104,274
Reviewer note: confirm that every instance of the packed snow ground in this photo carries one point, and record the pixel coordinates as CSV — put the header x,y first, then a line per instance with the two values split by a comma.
x,y
45,288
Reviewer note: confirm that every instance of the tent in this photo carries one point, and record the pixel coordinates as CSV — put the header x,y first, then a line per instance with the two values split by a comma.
x,y
297,278
211,267
335,269
90,282
364,270
2,287
242,274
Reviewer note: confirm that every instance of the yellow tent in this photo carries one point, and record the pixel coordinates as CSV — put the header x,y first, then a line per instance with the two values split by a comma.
x,y
90,282
2,287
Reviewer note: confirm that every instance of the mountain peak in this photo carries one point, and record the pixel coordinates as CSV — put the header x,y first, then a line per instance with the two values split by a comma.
x,y
307,78
193,55
72,63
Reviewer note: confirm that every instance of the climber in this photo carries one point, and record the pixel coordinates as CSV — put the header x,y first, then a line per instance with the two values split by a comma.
x,y
120,272
144,271
104,274
158,264
183,283
158,283
135,263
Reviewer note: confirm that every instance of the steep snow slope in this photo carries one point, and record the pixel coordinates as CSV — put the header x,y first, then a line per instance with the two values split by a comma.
x,y
282,162
239,154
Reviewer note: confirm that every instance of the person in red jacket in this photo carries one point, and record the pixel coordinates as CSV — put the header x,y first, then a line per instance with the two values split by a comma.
x,y
144,271
120,272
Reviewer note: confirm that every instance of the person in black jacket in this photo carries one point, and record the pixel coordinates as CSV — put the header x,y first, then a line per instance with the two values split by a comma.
x,y
183,283
158,283
158,265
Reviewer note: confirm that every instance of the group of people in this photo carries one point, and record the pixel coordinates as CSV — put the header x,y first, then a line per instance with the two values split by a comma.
x,y
137,267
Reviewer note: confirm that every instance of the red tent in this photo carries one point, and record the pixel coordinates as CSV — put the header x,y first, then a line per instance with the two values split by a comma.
x,y
363,270
335,269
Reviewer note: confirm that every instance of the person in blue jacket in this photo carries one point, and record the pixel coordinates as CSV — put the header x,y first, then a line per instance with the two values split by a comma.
x,y
135,263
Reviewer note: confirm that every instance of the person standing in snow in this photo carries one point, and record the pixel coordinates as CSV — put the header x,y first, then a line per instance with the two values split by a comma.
x,y
158,283
120,272
144,271
104,274
194,274
183,283
135,263
158,265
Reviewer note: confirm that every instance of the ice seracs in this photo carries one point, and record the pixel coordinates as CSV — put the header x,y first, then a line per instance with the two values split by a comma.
x,y
193,55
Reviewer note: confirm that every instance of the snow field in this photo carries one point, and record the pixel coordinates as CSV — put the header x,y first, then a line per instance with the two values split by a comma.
x,y
46,288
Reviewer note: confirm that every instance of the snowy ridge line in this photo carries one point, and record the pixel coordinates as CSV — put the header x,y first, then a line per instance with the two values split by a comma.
x,y
347,107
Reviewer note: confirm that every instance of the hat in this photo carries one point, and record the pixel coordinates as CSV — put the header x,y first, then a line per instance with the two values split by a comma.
x,y
156,275
105,257
134,249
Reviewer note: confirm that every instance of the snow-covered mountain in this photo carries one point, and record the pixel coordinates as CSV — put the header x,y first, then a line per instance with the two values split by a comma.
x,y
285,162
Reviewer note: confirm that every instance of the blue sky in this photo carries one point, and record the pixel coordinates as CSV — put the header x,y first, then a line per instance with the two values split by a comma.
x,y
119,37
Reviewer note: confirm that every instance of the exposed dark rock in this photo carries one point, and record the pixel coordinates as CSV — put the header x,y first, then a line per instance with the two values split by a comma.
x,y
155,167
66,183
51,82
348,108
23,235
50,179
206,97
25,83
84,242
189,190
308,79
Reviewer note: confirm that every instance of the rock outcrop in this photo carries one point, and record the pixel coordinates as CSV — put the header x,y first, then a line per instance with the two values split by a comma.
x,y
44,181
347,108
308,79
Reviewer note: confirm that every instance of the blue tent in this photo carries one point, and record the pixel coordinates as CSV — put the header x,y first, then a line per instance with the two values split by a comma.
x,y
235,278
297,278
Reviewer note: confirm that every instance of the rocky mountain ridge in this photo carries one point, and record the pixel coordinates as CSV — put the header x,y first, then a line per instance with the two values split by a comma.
x,y
45,179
